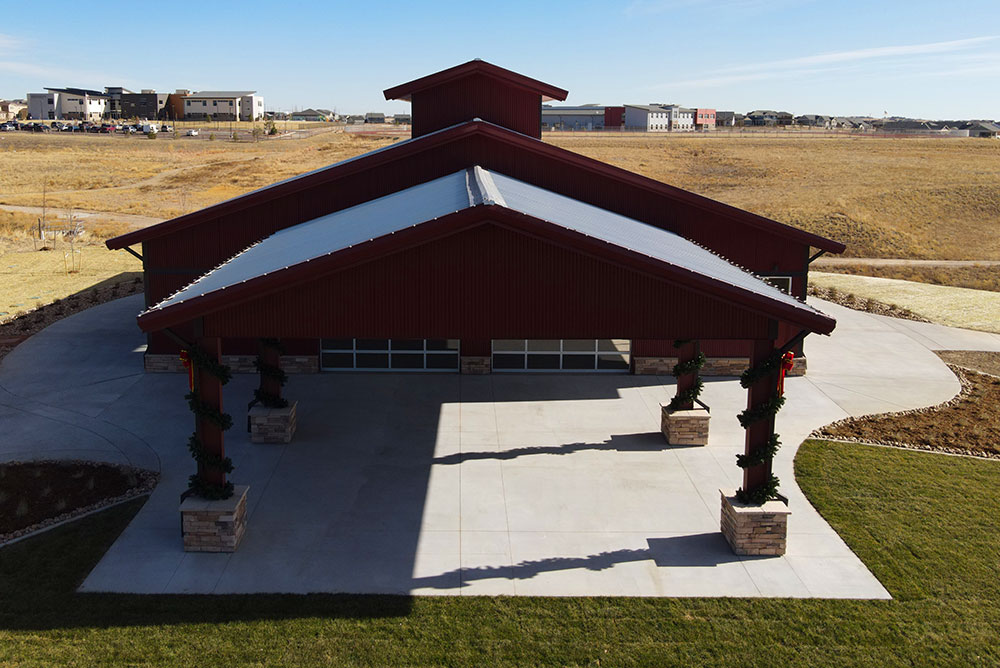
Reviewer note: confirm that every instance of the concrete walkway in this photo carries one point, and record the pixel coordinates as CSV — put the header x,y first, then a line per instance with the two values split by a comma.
x,y
449,484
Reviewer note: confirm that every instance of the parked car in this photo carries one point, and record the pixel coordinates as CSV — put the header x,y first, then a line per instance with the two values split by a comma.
x,y
166,128
67,128
8,127
146,128
193,132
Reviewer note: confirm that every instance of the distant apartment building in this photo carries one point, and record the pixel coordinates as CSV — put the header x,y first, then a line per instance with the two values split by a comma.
x,y
224,105
704,119
648,117
585,117
659,118
148,104
114,107
77,104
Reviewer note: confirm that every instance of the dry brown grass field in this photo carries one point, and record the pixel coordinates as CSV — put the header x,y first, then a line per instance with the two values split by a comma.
x,y
884,197
910,198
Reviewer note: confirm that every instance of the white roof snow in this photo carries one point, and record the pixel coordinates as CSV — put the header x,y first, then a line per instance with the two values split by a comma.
x,y
449,194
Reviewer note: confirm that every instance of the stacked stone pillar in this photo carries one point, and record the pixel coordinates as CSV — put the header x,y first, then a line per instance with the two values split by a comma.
x,y
682,421
272,419
757,528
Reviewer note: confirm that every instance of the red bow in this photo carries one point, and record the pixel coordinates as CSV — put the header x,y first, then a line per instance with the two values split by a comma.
x,y
186,361
787,364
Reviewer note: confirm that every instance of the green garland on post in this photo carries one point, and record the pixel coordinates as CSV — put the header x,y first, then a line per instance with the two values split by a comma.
x,y
765,410
690,395
687,396
752,374
769,489
761,456
270,371
196,485
759,495
223,420
690,366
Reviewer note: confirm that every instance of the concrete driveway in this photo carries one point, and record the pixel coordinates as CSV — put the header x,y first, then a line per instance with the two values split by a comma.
x,y
449,484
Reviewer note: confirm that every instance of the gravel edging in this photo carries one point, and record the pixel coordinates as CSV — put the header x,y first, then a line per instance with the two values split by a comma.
x,y
864,304
147,482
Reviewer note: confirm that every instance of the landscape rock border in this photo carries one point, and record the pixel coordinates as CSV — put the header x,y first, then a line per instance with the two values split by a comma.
x,y
960,373
147,482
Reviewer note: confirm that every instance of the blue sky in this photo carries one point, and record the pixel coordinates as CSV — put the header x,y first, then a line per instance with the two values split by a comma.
x,y
921,59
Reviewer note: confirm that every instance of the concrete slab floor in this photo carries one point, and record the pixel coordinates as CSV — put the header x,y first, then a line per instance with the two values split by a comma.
x,y
444,484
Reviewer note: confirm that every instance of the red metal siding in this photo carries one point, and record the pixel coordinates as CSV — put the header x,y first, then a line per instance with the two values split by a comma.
x,y
614,117
487,282
205,246
477,97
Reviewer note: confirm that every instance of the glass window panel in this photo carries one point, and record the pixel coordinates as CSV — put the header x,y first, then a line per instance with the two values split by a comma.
x,y
442,361
338,360
407,344
508,344
373,360
544,345
578,361
407,360
372,344
578,345
613,345
337,344
442,344
616,362
543,361
508,361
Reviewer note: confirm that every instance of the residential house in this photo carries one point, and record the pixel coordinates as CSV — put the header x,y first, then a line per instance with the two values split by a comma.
x,y
983,129
9,109
309,115
813,120
728,119
403,119
374,117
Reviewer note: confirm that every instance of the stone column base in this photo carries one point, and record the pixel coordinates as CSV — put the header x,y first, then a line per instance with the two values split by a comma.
x,y
799,369
299,363
476,364
714,366
163,363
214,526
755,530
688,427
273,425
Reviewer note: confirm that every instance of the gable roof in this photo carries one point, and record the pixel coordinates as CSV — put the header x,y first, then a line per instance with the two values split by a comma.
x,y
78,91
403,149
319,241
473,67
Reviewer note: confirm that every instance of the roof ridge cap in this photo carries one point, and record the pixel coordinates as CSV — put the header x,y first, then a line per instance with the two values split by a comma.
x,y
489,192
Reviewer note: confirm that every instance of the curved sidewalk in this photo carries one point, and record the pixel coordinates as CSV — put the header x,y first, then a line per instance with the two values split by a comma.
x,y
447,484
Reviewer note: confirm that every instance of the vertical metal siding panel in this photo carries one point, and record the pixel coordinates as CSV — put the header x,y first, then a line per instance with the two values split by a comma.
x,y
532,289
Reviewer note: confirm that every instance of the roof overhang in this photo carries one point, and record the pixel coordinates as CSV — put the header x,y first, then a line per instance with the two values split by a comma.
x,y
475,67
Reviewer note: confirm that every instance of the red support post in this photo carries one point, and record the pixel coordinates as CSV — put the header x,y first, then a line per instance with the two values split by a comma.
x,y
270,356
686,353
759,433
209,391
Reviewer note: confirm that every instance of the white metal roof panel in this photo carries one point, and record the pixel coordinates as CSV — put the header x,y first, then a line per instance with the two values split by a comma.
x,y
446,195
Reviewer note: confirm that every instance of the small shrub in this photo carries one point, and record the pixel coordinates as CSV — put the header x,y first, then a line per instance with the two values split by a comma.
x,y
22,508
151,135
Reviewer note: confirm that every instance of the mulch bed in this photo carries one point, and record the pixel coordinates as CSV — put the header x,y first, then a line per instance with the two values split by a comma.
x,y
865,304
969,424
36,494
20,327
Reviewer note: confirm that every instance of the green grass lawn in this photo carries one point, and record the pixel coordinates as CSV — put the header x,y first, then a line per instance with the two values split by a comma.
x,y
927,525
